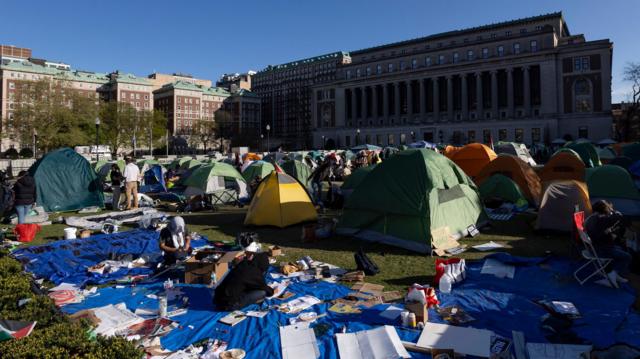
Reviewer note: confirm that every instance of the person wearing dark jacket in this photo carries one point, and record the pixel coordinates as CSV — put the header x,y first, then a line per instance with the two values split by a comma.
x,y
245,283
25,195
116,184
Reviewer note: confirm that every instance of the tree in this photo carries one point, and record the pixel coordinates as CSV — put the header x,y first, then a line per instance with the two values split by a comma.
x,y
224,124
630,128
204,131
151,129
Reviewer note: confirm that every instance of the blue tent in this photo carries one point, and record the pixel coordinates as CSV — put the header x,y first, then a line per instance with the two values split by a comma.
x,y
153,181
422,144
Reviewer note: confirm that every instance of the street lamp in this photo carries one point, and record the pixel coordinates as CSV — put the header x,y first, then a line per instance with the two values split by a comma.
x,y
262,142
323,142
35,143
268,143
413,136
97,138
357,137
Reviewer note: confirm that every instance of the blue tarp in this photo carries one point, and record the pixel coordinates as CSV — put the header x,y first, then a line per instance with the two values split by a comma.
x,y
501,305
153,181
68,260
422,144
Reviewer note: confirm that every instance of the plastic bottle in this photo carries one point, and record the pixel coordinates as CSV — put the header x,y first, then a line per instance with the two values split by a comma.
x,y
214,279
412,320
445,283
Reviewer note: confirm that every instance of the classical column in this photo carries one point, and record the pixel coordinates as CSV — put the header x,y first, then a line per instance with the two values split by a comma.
x,y
494,94
397,100
450,98
374,100
385,101
436,99
410,97
479,99
510,99
465,97
364,103
354,103
527,91
423,98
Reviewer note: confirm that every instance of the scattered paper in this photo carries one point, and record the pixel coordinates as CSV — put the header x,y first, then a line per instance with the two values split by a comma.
x,y
298,342
115,318
392,312
379,343
64,286
488,246
498,269
557,351
302,303
467,341
257,313
278,288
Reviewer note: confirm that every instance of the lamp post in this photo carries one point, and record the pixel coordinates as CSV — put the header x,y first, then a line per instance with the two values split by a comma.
x,y
262,142
323,142
413,137
97,138
357,137
268,142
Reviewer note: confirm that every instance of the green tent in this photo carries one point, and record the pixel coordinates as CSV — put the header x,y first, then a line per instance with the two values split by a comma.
x,y
297,170
409,196
611,181
177,163
587,152
98,165
147,163
65,181
189,164
632,150
212,178
104,171
353,181
606,153
503,188
258,168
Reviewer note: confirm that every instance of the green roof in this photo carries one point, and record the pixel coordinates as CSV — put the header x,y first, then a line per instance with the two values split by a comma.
x,y
288,65
246,93
129,79
84,76
30,67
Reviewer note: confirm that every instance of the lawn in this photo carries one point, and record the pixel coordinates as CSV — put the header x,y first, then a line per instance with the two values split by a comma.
x,y
399,267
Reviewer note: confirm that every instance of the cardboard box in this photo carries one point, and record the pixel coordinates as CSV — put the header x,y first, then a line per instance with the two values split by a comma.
x,y
420,310
198,272
275,251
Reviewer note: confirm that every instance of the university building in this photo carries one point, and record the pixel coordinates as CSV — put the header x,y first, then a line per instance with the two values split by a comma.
x,y
529,80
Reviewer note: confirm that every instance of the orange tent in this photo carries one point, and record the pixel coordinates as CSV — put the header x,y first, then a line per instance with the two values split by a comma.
x,y
517,170
251,156
449,151
563,166
473,157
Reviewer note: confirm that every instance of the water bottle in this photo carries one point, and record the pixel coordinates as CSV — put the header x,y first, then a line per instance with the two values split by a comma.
x,y
214,279
445,283
162,307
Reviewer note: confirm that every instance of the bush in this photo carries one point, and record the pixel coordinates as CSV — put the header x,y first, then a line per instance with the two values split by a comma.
x,y
26,153
11,153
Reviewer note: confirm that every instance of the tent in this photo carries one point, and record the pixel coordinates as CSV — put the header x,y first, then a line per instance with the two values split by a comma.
x,y
631,150
624,162
280,201
606,154
153,180
614,184
146,163
189,164
607,142
297,170
65,181
558,141
177,163
473,157
449,150
634,169
353,181
558,205
516,149
587,152
366,147
517,170
215,178
563,165
422,144
503,188
406,198
257,168
104,171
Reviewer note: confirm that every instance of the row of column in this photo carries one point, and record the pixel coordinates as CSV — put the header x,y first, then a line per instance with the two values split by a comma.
x,y
464,94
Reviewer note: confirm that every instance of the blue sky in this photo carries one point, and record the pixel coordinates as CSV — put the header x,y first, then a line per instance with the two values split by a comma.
x,y
207,38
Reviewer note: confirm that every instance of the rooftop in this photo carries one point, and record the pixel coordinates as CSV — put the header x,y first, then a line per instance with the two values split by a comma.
x,y
118,76
246,93
186,85
288,65
68,75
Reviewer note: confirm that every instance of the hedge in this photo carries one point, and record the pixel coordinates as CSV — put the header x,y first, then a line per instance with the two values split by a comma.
x,y
54,336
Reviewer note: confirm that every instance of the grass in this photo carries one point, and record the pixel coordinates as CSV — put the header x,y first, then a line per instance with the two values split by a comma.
x,y
399,268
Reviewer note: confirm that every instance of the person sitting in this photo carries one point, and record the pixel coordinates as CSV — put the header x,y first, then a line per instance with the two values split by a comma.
x,y
175,241
245,283
606,228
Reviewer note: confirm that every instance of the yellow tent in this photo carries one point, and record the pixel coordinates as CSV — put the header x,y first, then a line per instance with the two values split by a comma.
x,y
280,201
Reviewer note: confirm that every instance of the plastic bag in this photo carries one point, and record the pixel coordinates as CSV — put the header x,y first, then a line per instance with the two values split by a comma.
x,y
26,232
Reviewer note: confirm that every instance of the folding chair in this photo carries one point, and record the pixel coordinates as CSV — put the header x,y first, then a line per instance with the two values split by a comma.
x,y
599,264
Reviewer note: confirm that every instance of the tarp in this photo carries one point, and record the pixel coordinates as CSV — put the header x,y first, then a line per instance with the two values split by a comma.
x,y
563,165
422,144
65,181
501,187
68,260
519,171
472,158
500,305
280,201
558,205
406,197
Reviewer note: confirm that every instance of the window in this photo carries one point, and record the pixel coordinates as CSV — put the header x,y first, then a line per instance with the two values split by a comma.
x,y
368,70
456,57
538,27
471,136
533,44
516,48
519,135
12,85
500,50
402,65
493,36
486,136
582,94
470,55
440,59
581,64
132,96
427,61
357,72
403,138
347,140
378,69
507,33
146,97
348,74
137,96
485,53
390,140
583,132
414,63
502,135
535,135
390,67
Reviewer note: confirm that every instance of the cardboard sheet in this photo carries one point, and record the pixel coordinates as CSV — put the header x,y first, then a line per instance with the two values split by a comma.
x,y
298,342
468,341
380,343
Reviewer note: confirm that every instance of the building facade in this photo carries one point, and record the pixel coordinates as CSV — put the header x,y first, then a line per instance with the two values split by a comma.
x,y
158,80
527,80
244,107
236,82
130,89
286,94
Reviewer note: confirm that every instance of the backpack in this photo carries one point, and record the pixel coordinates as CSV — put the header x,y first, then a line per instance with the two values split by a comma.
x,y
365,264
6,198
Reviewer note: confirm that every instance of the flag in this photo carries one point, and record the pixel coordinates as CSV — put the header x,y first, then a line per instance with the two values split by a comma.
x,y
14,329
491,142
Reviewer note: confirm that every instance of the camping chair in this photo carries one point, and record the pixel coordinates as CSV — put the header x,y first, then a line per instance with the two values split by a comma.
x,y
583,274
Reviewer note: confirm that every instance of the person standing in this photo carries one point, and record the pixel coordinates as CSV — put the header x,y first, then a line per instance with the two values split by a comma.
x,y
25,195
131,177
116,184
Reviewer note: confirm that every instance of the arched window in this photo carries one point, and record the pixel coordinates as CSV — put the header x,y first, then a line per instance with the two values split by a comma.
x,y
582,94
